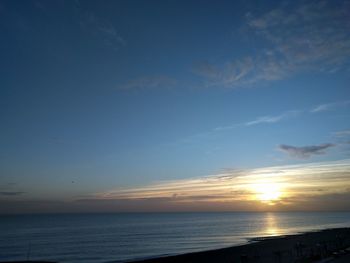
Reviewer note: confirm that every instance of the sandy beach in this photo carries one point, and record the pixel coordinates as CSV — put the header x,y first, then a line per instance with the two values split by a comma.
x,y
322,246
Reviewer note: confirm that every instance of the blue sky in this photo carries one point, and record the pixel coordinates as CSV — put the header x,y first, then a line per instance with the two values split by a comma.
x,y
104,95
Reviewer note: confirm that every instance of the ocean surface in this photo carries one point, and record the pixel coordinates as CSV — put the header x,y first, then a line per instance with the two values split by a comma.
x,y
122,237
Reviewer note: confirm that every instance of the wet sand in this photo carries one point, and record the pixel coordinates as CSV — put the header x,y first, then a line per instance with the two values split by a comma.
x,y
307,247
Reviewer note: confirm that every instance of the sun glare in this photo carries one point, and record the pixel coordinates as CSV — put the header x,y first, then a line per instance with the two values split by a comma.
x,y
267,192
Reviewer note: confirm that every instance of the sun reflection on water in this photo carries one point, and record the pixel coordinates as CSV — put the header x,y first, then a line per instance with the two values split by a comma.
x,y
272,228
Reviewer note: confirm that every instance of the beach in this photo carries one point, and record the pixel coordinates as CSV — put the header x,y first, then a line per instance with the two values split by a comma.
x,y
322,246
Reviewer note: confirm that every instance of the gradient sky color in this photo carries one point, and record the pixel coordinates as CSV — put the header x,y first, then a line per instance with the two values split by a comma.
x,y
100,100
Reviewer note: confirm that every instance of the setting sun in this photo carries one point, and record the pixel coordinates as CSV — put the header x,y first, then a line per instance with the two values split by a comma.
x,y
267,191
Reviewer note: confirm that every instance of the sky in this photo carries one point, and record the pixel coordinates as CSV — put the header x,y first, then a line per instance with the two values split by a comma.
x,y
127,106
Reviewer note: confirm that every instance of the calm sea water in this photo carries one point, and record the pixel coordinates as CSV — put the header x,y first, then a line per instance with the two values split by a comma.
x,y
121,237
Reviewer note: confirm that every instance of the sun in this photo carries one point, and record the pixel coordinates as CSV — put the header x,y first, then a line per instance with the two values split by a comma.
x,y
267,192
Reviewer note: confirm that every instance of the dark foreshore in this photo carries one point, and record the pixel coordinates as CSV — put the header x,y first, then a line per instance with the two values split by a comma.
x,y
322,246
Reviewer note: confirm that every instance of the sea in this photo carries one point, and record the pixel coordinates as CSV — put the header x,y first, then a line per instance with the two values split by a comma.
x,y
123,237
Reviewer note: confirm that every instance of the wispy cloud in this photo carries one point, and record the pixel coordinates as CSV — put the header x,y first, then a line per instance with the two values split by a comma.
x,y
305,152
100,28
11,193
320,108
343,141
268,119
344,133
273,119
149,82
237,187
231,74
309,37
330,106
236,190
242,72
10,189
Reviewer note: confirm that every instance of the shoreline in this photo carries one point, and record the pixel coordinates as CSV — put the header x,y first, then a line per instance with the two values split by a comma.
x,y
311,246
